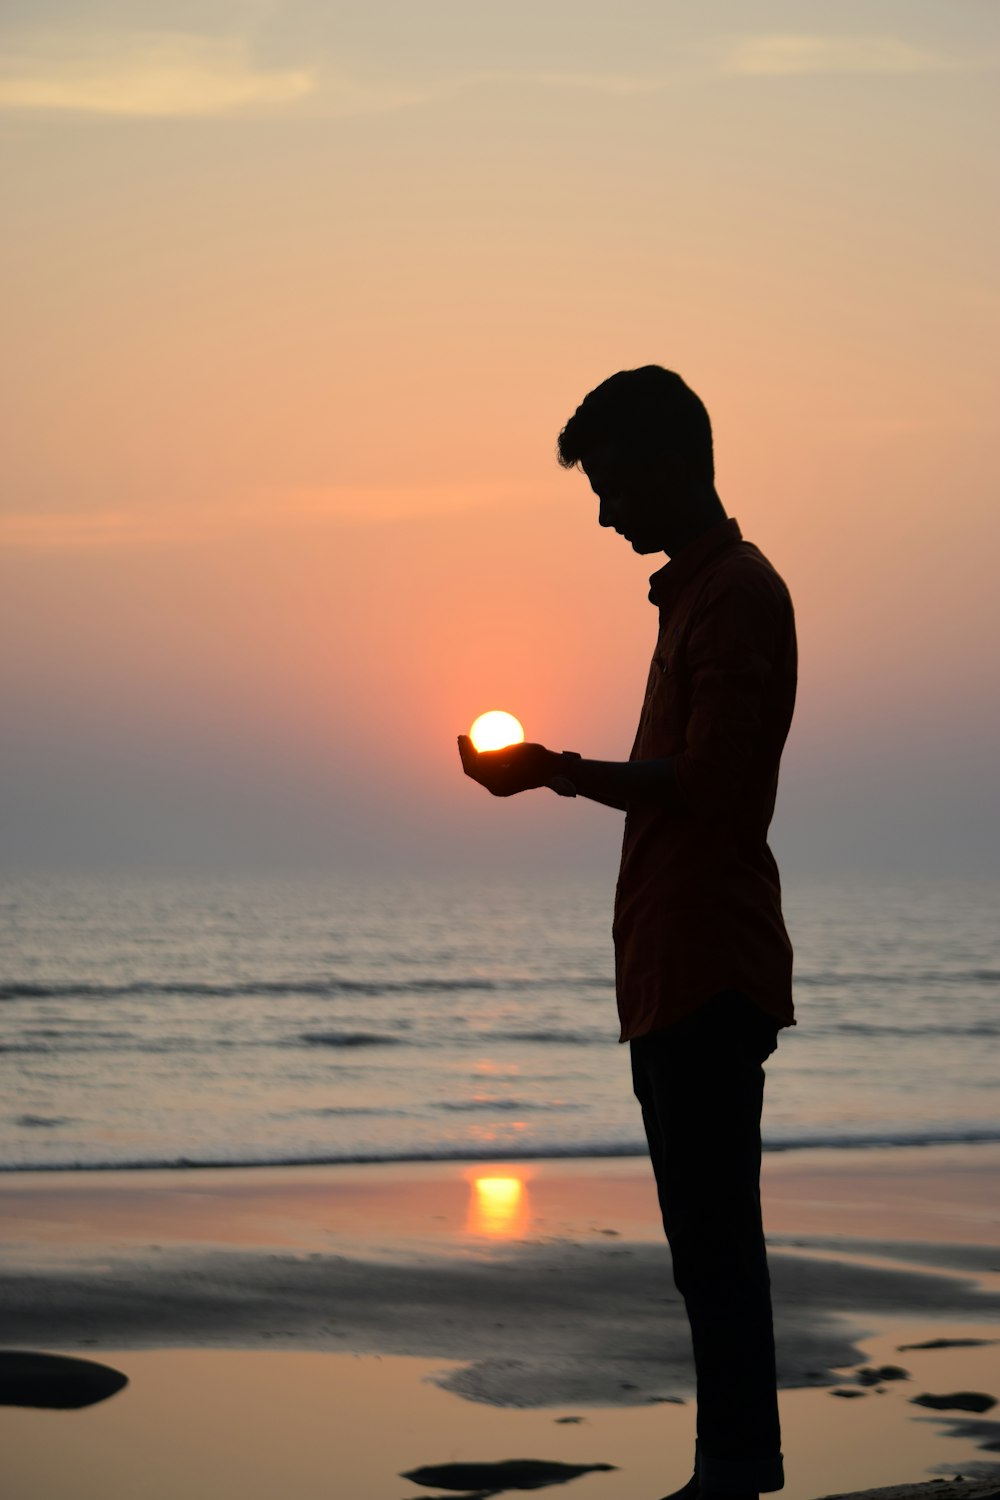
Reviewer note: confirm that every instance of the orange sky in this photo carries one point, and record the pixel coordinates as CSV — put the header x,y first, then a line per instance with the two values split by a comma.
x,y
301,300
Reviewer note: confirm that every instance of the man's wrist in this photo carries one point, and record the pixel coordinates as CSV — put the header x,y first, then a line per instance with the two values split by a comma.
x,y
562,766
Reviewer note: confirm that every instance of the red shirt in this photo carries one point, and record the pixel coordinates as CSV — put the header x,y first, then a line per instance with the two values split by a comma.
x,y
698,905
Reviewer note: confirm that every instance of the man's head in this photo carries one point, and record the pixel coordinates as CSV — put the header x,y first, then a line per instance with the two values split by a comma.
x,y
644,440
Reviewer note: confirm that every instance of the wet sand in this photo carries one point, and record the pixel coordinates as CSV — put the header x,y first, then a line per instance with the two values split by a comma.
x,y
318,1331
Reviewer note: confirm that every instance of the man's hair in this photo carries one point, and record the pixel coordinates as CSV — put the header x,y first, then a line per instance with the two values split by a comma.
x,y
643,414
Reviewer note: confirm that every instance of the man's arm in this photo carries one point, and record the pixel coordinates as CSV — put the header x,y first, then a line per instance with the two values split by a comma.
x,y
732,652
618,784
742,635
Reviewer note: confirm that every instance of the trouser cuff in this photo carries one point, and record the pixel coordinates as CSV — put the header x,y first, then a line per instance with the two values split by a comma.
x,y
727,1476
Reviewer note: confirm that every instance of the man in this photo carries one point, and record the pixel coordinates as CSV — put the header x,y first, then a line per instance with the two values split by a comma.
x,y
702,959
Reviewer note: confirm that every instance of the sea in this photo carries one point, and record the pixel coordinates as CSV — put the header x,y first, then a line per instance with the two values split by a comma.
x,y
165,1022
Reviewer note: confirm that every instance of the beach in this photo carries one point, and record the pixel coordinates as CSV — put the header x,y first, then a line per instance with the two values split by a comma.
x,y
328,1329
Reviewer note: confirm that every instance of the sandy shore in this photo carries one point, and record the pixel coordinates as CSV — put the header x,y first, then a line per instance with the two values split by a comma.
x,y
404,1316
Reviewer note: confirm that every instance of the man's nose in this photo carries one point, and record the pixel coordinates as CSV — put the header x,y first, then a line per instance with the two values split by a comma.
x,y
608,511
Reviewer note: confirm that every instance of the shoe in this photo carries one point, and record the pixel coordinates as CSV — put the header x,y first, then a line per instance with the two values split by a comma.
x,y
689,1491
693,1491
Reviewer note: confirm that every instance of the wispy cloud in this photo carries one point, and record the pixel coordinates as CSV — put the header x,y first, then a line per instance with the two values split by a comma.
x,y
760,56
789,54
75,531
599,83
181,74
151,75
175,524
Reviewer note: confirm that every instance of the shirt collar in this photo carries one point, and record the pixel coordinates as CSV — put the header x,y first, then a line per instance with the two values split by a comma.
x,y
667,582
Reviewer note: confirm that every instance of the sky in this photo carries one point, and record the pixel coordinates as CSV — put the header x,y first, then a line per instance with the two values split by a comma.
x,y
299,297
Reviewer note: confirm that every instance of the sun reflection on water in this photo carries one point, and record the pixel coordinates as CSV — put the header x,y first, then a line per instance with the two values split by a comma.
x,y
498,1207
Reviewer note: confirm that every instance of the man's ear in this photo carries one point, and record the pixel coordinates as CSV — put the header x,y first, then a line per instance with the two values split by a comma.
x,y
671,468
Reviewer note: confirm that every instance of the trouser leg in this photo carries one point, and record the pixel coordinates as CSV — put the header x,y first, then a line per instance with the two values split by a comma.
x,y
700,1085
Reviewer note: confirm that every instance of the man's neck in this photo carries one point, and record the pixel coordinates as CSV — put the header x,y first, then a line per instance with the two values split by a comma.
x,y
704,511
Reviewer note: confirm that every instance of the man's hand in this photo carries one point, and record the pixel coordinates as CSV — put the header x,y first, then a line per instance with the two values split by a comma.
x,y
516,768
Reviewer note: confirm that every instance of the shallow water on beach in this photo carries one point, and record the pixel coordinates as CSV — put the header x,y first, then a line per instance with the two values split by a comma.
x,y
255,1425
165,1022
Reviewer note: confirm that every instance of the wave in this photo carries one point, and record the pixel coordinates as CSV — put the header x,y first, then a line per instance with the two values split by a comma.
x,y
916,976
380,1039
112,1042
323,1111
568,1038
52,1042
82,1042
549,1151
520,1106
349,1039
879,1028
332,987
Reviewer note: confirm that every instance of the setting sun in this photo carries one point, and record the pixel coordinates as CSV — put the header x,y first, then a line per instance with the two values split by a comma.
x,y
495,730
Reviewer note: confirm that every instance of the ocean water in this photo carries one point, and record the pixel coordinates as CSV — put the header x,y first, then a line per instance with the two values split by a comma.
x,y
158,1023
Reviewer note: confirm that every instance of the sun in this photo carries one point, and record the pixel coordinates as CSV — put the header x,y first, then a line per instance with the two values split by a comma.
x,y
495,730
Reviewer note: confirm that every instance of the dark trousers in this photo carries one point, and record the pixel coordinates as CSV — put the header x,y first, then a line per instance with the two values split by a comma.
x,y
701,1087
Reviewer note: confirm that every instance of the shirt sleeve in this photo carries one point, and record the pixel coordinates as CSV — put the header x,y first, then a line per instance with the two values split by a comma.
x,y
733,650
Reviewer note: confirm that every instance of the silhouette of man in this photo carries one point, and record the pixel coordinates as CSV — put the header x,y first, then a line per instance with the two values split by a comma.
x,y
702,959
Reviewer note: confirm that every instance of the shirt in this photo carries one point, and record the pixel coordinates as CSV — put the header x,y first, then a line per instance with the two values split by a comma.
x,y
698,904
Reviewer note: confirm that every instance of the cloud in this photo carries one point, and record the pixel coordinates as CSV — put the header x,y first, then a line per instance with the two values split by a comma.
x,y
153,75
182,74
74,531
789,55
599,83
151,525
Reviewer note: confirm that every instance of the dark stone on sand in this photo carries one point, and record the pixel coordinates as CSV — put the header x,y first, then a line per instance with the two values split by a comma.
x,y
493,1479
946,1343
957,1401
847,1394
55,1381
564,1421
985,1435
880,1373
957,1488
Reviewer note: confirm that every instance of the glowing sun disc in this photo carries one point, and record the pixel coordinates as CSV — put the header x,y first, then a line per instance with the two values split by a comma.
x,y
495,730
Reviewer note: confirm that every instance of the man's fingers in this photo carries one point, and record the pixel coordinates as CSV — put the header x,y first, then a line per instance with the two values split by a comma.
x,y
502,772
485,766
474,762
467,751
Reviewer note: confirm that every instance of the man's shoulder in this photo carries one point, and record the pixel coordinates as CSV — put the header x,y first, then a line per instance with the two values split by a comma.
x,y
745,568
742,590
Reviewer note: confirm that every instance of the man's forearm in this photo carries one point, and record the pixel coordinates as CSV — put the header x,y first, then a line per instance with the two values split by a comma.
x,y
617,783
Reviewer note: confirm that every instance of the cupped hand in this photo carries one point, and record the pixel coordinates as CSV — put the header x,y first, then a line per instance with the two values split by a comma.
x,y
515,768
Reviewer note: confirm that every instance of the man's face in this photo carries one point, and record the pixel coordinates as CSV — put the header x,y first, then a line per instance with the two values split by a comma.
x,y
633,498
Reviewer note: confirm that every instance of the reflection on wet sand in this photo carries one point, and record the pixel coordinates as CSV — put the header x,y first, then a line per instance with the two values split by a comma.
x,y
499,1207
